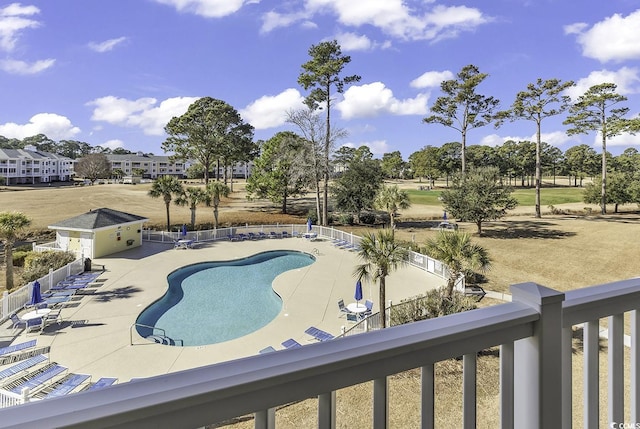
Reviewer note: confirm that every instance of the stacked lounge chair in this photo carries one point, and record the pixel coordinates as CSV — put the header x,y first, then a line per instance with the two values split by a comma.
x,y
319,334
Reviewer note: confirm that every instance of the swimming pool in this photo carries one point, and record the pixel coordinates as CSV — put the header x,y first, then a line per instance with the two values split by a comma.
x,y
213,302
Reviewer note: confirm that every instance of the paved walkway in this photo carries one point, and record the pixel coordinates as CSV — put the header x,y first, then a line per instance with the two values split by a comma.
x,y
96,338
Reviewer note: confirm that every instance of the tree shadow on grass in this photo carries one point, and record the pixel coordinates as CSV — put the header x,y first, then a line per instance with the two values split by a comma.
x,y
525,229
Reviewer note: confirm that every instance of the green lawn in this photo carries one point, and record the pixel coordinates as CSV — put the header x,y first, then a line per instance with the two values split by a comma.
x,y
525,197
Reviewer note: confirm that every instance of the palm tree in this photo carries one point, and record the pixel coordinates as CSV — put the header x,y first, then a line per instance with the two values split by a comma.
x,y
382,255
192,197
11,223
166,187
216,191
459,254
390,199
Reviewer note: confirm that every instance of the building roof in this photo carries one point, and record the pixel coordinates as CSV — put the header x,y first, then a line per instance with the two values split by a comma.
x,y
29,154
138,158
98,218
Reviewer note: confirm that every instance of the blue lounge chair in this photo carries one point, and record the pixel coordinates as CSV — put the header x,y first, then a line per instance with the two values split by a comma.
x,y
319,334
272,234
262,235
67,385
102,383
285,234
268,349
17,347
291,344
38,381
22,366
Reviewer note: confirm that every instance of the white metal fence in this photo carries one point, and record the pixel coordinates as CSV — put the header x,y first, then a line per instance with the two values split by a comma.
x,y
15,300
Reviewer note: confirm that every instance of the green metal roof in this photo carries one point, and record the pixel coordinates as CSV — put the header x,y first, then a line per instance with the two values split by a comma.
x,y
98,218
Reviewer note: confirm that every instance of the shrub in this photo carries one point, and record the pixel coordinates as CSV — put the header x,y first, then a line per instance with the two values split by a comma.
x,y
368,218
38,264
346,219
430,305
313,216
19,257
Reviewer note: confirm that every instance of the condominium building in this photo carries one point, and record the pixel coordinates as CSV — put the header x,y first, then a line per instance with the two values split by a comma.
x,y
30,166
147,166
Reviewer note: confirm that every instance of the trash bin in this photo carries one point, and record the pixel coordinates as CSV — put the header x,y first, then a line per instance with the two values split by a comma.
x,y
87,264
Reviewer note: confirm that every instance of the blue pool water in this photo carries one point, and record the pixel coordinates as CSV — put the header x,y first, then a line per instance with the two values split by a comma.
x,y
212,302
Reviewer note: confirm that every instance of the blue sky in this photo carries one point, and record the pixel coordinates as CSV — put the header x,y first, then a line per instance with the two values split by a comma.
x,y
114,72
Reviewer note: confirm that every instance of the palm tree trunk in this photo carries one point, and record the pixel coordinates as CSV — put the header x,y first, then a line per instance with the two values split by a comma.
x,y
168,219
193,218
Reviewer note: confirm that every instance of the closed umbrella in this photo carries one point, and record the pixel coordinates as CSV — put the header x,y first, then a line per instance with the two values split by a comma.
x,y
183,231
36,295
309,224
358,295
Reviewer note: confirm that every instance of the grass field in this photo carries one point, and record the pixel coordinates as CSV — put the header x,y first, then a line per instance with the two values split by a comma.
x,y
564,252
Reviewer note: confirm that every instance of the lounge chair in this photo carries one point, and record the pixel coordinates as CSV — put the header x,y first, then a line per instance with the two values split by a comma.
x,y
318,334
23,355
243,236
16,322
262,235
17,347
67,385
38,380
285,234
22,366
343,308
54,316
354,317
291,344
101,383
268,349
272,234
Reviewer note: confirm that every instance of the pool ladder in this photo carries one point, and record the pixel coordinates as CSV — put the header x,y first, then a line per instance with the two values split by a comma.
x,y
160,338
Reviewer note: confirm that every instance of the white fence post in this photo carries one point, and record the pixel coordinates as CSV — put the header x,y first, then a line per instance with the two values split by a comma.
x,y
5,304
538,360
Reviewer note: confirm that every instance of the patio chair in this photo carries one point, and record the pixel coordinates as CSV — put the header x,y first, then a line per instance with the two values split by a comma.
x,y
342,307
17,347
16,322
34,324
369,305
67,385
101,383
291,344
318,334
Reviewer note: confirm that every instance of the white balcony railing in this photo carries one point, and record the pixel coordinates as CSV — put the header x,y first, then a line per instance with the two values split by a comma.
x,y
533,331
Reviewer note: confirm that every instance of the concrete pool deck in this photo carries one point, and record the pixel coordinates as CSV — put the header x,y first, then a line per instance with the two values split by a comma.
x,y
96,335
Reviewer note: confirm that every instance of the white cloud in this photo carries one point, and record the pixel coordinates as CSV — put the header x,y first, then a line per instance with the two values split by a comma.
x,y
24,68
354,42
626,79
431,79
107,45
207,8
613,39
113,144
13,21
392,17
269,111
54,126
143,113
374,98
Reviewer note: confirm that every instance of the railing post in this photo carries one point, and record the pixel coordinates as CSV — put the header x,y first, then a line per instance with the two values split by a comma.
x,y
538,360
327,410
380,403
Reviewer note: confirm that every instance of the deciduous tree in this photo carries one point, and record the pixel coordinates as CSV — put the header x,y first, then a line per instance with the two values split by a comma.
x,y
206,132
322,73
93,167
478,196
